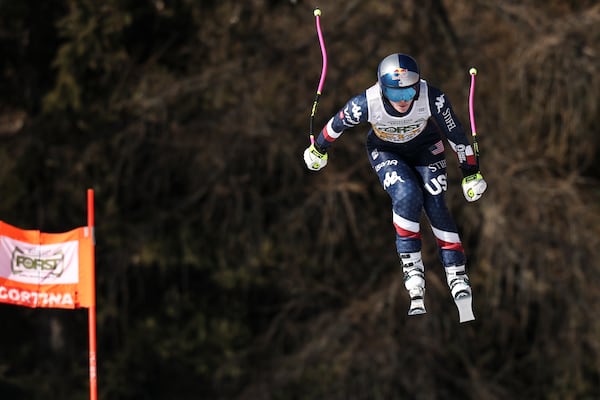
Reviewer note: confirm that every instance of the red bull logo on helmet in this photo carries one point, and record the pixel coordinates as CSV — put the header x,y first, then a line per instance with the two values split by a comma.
x,y
398,72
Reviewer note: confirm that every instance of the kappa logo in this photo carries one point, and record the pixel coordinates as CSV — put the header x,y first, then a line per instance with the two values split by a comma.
x,y
356,112
374,154
391,178
440,101
352,116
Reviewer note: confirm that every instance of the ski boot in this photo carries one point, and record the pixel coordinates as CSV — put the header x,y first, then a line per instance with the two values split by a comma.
x,y
460,288
414,281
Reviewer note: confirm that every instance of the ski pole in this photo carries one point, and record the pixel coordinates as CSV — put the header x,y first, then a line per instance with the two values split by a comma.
x,y
473,72
317,13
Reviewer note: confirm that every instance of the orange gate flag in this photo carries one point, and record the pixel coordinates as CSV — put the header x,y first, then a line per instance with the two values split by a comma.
x,y
48,270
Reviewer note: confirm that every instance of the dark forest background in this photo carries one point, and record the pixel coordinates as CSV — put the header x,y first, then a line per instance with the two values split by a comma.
x,y
227,270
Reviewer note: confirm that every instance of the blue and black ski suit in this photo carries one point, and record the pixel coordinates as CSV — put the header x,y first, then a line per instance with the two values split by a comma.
x,y
407,153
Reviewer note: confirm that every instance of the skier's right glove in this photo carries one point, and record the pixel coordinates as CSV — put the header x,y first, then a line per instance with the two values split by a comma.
x,y
314,158
473,186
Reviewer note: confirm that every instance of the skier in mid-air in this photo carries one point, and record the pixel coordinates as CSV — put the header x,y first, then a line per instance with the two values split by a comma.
x,y
409,118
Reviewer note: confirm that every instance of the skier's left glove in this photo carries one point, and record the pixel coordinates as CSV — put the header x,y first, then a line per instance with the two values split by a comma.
x,y
473,186
315,158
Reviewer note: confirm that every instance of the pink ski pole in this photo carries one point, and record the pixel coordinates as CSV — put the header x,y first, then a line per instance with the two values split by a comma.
x,y
317,14
473,72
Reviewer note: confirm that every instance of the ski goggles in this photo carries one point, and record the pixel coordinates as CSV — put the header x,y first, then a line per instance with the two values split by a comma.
x,y
399,94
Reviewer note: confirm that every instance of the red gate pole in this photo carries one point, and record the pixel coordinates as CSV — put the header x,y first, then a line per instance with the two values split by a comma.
x,y
92,308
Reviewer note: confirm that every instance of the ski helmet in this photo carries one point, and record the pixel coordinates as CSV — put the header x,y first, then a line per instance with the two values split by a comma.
x,y
398,76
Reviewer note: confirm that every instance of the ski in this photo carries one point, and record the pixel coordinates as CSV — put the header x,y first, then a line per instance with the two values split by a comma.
x,y
464,304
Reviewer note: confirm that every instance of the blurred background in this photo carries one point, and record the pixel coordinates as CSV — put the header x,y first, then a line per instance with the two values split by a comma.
x,y
227,270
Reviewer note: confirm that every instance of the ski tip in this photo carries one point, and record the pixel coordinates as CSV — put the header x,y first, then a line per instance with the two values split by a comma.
x,y
464,319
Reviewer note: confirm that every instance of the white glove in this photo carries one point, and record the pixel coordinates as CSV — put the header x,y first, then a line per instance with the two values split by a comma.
x,y
314,159
473,186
